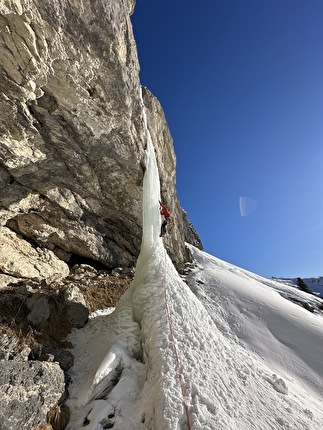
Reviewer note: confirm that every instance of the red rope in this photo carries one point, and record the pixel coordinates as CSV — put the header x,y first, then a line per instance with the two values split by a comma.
x,y
178,361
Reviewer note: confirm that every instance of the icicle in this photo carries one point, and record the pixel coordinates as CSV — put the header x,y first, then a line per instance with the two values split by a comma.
x,y
151,192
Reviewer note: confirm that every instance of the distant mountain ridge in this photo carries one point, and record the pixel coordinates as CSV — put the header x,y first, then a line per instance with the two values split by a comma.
x,y
315,284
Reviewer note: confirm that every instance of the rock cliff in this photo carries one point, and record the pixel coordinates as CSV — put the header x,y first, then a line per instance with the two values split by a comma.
x,y
72,137
72,145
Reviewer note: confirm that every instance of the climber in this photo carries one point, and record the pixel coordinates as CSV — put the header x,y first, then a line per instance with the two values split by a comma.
x,y
166,214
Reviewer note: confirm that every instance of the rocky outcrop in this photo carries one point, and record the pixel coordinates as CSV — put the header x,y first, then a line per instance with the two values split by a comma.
x,y
71,130
77,312
71,133
36,318
18,258
28,390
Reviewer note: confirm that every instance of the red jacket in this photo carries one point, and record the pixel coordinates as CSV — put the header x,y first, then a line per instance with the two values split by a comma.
x,y
164,211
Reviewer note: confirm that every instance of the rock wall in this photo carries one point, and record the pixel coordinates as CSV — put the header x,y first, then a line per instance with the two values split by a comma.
x,y
72,137
28,386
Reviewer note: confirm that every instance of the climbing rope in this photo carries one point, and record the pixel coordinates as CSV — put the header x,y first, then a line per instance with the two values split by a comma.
x,y
178,360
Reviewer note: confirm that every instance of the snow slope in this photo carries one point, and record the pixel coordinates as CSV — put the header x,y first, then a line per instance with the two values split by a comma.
x,y
226,351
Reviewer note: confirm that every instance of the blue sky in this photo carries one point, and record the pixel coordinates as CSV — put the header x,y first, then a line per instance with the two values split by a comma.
x,y
241,84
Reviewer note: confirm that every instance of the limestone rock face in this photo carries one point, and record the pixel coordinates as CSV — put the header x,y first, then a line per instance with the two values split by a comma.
x,y
71,133
27,391
19,259
72,136
77,311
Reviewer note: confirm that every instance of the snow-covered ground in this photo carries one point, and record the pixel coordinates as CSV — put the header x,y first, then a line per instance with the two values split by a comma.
x,y
223,350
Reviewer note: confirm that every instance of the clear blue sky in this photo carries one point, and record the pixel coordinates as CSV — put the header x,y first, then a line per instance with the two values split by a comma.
x,y
241,84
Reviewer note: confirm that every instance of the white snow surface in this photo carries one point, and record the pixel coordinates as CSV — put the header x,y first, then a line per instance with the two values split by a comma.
x,y
225,343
